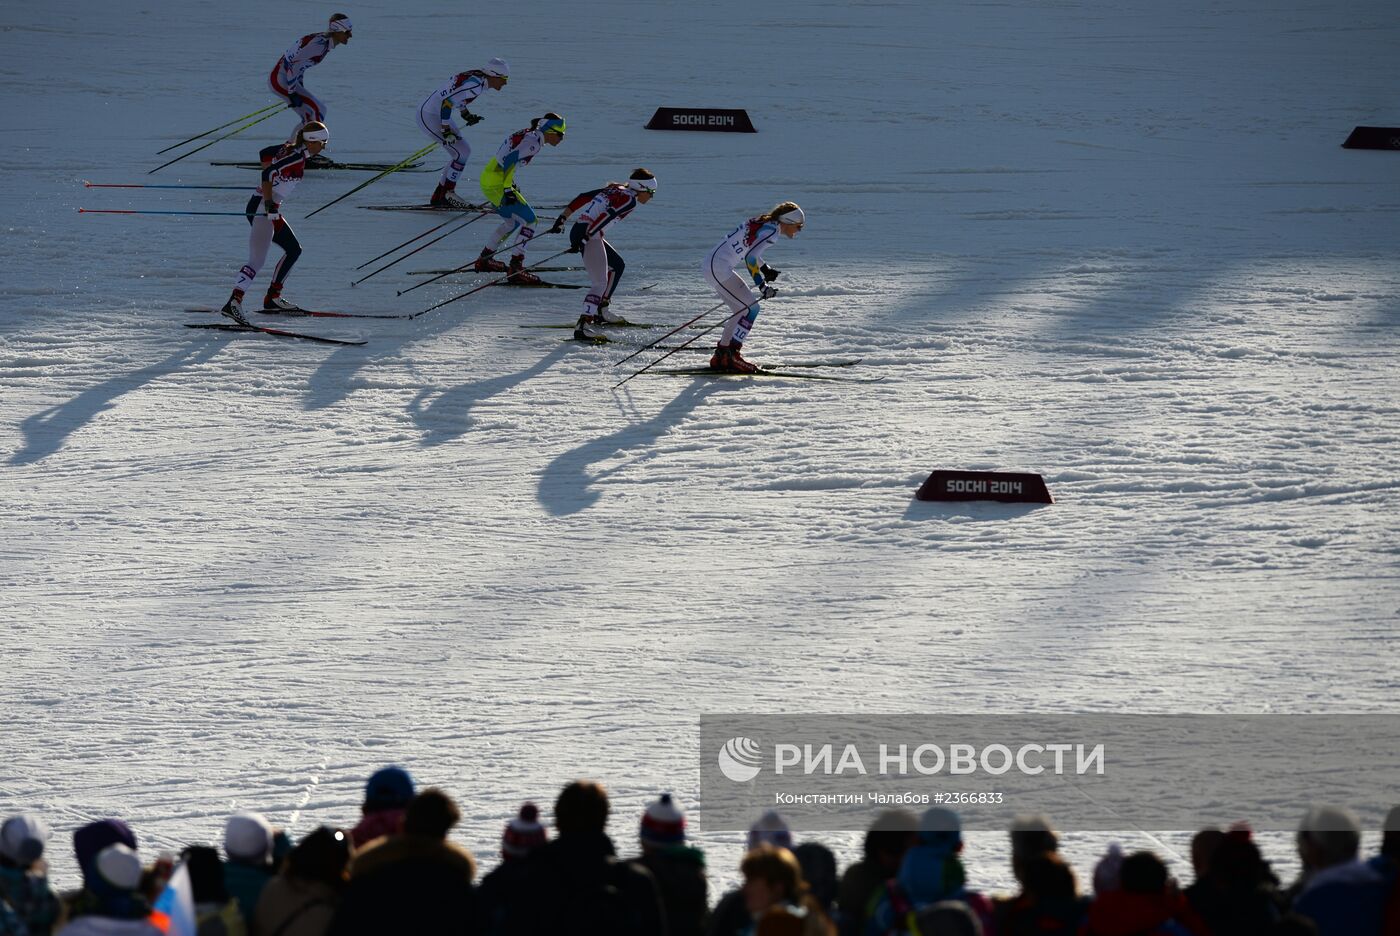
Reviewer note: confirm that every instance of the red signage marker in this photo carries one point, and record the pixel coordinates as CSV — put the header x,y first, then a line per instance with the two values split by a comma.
x,y
1005,486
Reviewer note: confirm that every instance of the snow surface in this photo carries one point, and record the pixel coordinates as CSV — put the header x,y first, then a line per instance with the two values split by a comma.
x,y
1112,241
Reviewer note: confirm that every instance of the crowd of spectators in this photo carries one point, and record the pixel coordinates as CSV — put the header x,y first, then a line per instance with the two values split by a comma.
x,y
397,871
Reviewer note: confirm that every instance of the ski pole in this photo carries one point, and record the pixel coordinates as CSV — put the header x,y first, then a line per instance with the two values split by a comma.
x,y
464,267
475,289
406,243
238,214
395,168
668,334
220,127
681,346
215,140
230,188
418,248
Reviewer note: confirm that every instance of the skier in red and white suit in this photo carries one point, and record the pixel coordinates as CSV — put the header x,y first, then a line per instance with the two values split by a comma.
x,y
601,208
290,71
282,167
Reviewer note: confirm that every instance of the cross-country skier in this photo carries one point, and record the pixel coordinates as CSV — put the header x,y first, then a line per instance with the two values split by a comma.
x,y
435,117
282,165
746,244
498,184
290,70
601,207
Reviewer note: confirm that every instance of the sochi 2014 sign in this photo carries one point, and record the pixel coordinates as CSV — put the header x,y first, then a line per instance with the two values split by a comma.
x,y
701,118
1382,138
1006,486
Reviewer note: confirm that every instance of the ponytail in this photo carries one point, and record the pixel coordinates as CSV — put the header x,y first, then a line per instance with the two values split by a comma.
x,y
779,209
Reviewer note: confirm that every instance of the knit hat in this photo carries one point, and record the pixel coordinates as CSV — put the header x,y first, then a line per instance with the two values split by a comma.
x,y
523,833
663,823
940,826
248,837
119,867
1032,836
772,829
22,839
390,788
1107,873
95,836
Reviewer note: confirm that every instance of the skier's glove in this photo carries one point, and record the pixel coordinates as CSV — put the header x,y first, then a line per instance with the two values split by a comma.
x,y
768,292
274,212
769,274
557,227
470,119
449,136
510,197
294,100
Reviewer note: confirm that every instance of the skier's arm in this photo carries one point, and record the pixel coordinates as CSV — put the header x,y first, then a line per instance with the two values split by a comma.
x,y
580,200
615,212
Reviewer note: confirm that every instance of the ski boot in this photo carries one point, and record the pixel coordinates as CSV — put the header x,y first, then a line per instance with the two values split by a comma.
x,y
445,196
606,314
488,264
233,309
589,328
273,303
519,276
730,361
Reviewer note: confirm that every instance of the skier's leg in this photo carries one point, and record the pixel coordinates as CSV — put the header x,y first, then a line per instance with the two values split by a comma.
x,y
259,240
595,261
285,238
521,210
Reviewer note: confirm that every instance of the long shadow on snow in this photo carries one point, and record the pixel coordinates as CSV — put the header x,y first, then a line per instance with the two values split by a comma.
x,y
444,417
566,486
47,430
334,380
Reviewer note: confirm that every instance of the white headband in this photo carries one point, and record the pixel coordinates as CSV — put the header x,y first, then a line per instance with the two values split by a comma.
x,y
642,185
792,216
340,25
316,136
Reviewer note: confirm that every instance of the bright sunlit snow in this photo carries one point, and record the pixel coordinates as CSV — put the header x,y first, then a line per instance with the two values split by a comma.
x,y
1116,243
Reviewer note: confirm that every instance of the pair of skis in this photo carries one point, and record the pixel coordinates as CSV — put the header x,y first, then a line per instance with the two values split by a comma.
x,y
313,313
796,369
344,166
284,333
464,207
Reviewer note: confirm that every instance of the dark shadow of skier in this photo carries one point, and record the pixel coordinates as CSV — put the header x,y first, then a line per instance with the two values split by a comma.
x,y
47,430
566,485
446,416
